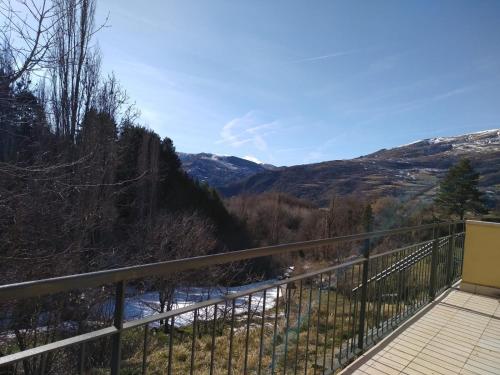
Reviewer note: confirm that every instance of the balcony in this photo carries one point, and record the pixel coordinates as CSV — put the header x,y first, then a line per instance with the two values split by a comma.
x,y
399,311
459,333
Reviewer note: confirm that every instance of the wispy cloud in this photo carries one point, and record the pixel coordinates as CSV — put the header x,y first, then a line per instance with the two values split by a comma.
x,y
454,92
370,105
251,128
424,101
327,56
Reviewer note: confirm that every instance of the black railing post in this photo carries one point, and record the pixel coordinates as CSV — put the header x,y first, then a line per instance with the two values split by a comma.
x,y
364,289
451,257
118,323
434,264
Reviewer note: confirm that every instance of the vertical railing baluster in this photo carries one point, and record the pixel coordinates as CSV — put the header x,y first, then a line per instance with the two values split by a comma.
x,y
394,285
422,260
318,323
288,307
231,338
433,271
262,325
406,275
193,342
81,364
145,352
370,312
326,320
362,313
379,291
247,337
308,325
399,293
275,329
170,344
212,348
335,319
355,310
342,317
451,256
118,323
350,323
299,319
383,295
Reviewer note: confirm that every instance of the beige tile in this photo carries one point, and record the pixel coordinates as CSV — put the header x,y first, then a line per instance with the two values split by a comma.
x,y
372,371
485,353
389,370
395,357
427,369
458,358
411,371
483,363
477,370
446,340
468,372
488,345
454,345
438,366
408,348
392,364
442,361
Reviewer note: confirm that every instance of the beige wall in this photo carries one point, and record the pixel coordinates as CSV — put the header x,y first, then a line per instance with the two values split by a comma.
x,y
482,255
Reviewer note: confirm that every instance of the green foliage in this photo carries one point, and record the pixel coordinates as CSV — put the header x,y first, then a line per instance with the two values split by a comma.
x,y
458,191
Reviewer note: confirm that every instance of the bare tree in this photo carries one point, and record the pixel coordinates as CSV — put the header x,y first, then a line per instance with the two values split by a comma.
x,y
26,35
74,77
175,237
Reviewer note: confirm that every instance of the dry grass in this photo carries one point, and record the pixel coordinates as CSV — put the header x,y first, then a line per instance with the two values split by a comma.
x,y
307,340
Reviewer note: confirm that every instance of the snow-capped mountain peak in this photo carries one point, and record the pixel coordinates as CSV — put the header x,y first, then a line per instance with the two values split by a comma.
x,y
219,170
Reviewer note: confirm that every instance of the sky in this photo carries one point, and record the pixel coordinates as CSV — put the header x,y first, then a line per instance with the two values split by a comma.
x,y
294,82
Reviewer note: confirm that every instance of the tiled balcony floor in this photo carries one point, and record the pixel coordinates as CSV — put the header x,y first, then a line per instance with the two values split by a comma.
x,y
459,334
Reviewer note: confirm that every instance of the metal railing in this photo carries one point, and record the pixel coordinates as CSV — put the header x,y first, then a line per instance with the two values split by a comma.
x,y
311,323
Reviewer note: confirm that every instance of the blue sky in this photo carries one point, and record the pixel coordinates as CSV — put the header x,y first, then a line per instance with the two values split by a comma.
x,y
289,82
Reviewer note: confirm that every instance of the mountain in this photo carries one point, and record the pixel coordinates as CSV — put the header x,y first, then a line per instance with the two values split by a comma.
x,y
409,172
218,170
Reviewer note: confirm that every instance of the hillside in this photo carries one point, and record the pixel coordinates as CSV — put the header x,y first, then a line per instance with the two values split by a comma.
x,y
408,172
219,170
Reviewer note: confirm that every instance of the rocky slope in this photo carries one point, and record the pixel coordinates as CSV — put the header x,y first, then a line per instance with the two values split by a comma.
x,y
409,172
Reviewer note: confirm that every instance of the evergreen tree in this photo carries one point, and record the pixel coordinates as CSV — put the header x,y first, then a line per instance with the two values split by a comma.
x,y
458,191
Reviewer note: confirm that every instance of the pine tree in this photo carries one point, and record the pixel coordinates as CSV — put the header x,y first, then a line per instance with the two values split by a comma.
x,y
458,191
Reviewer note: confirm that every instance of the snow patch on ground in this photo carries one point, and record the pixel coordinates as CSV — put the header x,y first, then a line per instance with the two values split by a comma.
x,y
147,304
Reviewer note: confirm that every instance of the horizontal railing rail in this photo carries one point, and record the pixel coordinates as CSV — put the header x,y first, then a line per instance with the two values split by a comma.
x,y
64,283
320,318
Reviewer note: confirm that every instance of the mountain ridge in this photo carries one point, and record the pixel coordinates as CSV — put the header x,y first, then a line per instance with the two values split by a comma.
x,y
409,171
220,170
